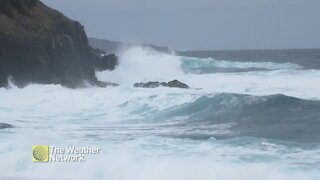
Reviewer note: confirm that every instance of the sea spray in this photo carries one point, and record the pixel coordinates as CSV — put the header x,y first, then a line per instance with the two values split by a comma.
x,y
140,64
167,133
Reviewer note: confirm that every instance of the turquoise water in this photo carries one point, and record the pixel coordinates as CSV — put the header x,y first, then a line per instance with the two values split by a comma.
x,y
258,121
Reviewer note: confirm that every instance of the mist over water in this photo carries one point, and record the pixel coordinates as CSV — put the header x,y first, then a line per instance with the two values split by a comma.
x,y
256,78
245,120
140,64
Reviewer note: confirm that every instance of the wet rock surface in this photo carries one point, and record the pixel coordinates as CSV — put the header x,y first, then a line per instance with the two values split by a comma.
x,y
41,45
156,84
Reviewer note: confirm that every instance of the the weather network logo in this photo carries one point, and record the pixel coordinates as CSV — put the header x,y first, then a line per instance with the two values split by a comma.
x,y
40,153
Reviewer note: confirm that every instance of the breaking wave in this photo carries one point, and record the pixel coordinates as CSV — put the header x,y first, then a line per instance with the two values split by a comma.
x,y
240,120
234,115
209,65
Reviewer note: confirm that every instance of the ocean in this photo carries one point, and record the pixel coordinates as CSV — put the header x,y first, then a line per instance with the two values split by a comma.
x,y
248,115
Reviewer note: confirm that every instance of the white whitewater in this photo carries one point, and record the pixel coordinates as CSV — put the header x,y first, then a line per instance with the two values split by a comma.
x,y
113,118
143,65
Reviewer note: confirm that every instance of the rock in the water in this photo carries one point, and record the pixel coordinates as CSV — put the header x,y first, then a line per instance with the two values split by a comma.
x,y
112,84
156,84
5,126
41,45
178,84
151,84
108,62
107,84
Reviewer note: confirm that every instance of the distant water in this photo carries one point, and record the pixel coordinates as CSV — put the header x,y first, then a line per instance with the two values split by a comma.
x,y
249,115
308,58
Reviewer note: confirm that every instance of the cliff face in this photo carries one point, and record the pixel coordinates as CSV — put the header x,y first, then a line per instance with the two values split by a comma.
x,y
41,45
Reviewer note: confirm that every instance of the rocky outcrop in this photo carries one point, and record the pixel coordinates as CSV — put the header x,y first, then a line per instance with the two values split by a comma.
x,y
109,84
151,84
107,62
41,45
156,84
177,84
114,46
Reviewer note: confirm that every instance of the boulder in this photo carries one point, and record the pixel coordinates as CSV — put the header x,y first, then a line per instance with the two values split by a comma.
x,y
178,84
156,84
151,84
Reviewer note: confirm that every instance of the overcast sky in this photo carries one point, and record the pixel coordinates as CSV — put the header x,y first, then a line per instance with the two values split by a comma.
x,y
200,24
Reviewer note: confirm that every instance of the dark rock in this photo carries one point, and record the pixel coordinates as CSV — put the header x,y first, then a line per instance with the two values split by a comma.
x,y
3,80
112,84
5,126
9,6
178,84
164,84
98,51
156,84
138,84
41,45
151,84
108,62
107,84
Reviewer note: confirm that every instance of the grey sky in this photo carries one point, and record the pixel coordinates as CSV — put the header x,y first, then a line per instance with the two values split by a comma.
x,y
200,24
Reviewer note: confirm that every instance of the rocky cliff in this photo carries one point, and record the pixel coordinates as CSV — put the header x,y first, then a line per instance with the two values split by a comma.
x,y
113,46
41,45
